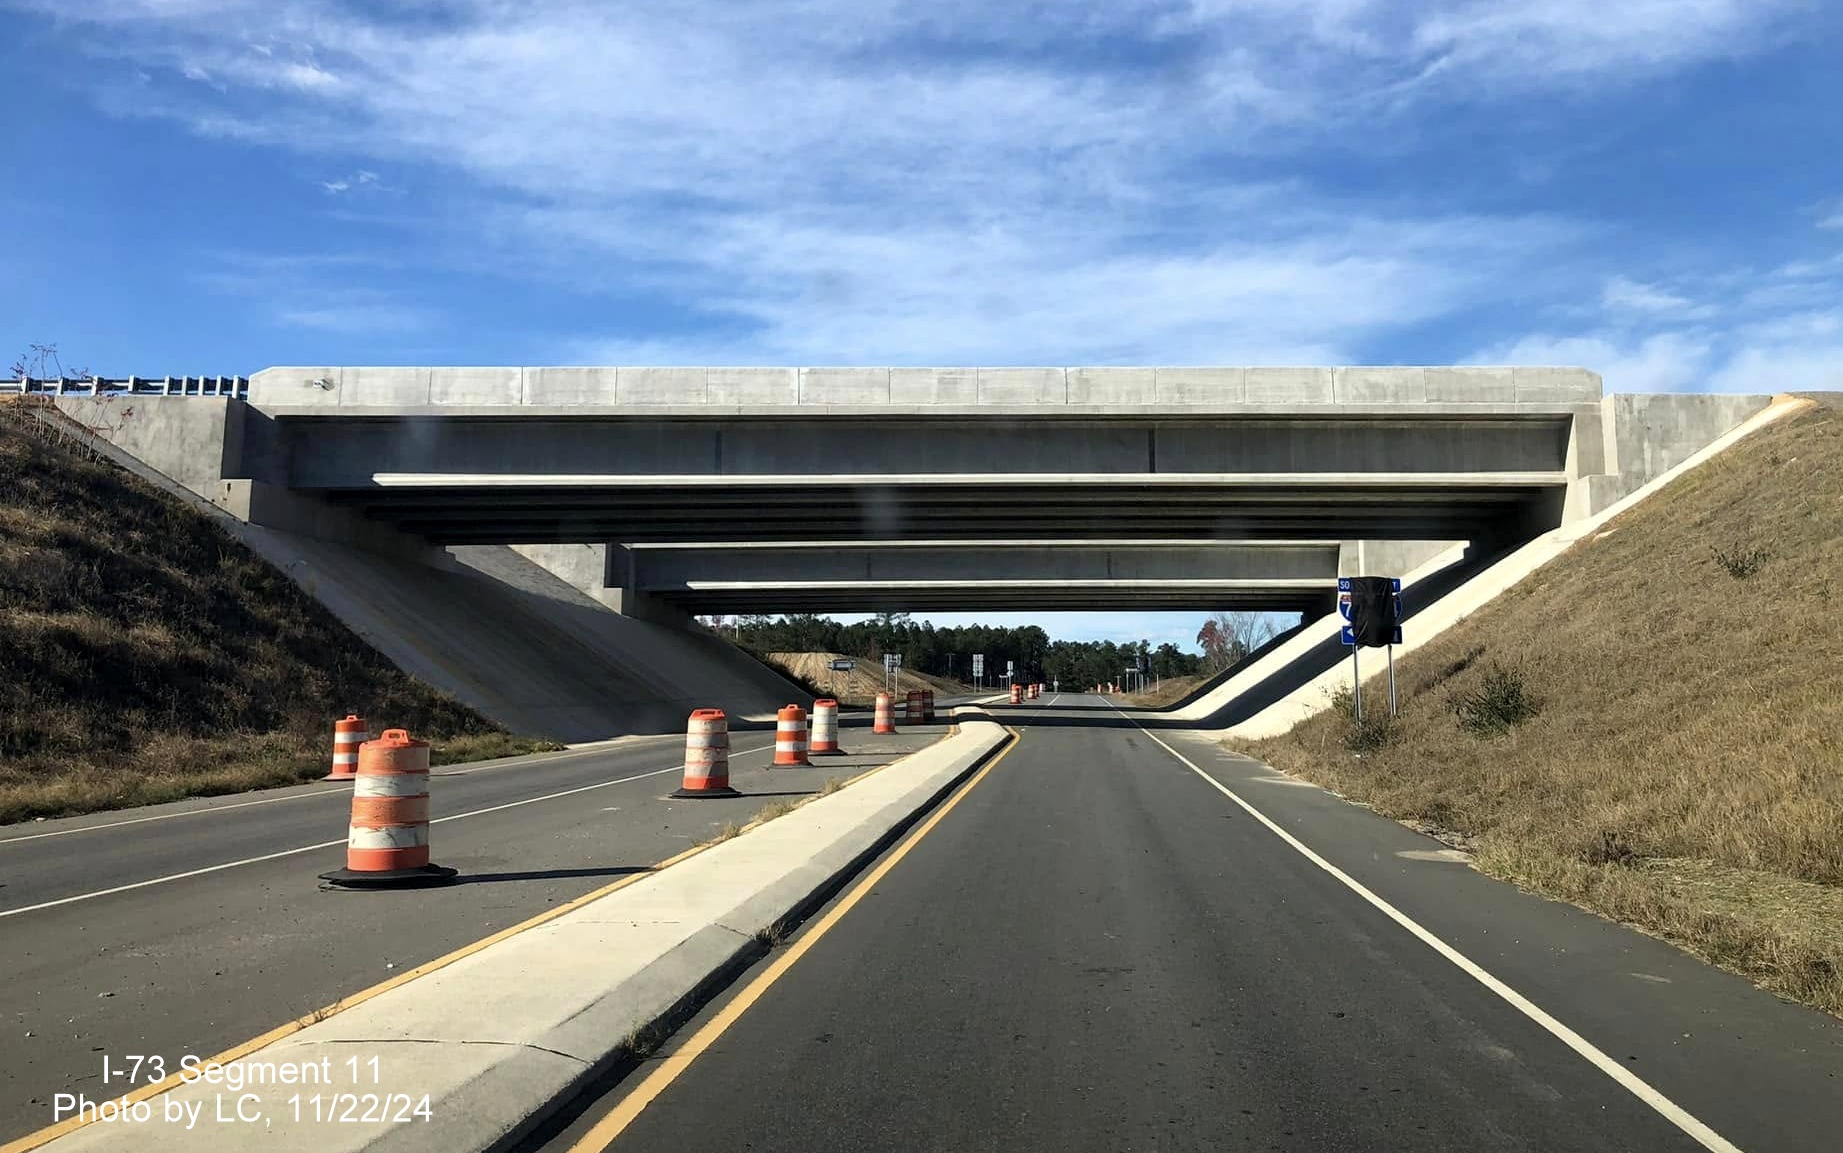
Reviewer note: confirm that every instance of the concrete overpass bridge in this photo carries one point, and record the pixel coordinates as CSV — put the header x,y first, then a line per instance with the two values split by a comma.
x,y
666,492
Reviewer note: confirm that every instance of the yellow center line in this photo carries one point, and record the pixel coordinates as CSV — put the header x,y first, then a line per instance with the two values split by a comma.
x,y
610,1127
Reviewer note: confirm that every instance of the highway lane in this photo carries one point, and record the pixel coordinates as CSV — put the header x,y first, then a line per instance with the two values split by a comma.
x,y
58,860
198,964
55,860
1097,948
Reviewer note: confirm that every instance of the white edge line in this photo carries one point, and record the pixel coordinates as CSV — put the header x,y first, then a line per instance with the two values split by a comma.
x,y
1637,1086
329,844
203,810
4,841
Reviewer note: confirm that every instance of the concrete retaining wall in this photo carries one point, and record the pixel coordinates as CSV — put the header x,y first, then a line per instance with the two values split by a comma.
x,y
1298,680
497,630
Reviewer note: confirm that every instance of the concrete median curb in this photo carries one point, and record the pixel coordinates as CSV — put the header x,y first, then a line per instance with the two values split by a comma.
x,y
500,1040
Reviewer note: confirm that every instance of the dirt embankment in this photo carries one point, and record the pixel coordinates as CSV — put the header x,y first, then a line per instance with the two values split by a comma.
x,y
1164,692
145,655
1651,726
861,685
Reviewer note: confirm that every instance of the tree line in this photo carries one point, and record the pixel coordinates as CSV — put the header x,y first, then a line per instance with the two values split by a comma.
x,y
948,651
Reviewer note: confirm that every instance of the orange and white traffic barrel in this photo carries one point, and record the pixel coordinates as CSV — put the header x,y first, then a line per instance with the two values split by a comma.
x,y
347,736
914,713
928,706
707,756
884,723
790,736
825,729
1017,694
388,842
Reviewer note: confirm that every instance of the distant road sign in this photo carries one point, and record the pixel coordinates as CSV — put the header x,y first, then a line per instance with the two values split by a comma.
x,y
892,660
978,664
843,666
1010,667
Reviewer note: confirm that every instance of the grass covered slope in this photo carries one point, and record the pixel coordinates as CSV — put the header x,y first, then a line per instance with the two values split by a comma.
x,y
1650,726
860,686
146,655
1168,691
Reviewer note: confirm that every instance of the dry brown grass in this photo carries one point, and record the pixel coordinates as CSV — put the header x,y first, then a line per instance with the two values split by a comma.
x,y
861,685
773,809
1164,692
1684,772
145,655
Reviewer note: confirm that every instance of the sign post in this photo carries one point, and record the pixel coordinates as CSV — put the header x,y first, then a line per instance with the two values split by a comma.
x,y
840,665
978,668
1010,672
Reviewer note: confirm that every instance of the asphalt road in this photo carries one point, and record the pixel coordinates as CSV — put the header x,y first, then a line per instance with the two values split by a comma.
x,y
1097,948
193,927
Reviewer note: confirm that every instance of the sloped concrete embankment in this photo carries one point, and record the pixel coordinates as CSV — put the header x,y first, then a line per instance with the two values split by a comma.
x,y
493,628
1298,678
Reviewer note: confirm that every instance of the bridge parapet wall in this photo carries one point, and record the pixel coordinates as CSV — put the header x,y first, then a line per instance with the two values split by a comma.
x,y
308,388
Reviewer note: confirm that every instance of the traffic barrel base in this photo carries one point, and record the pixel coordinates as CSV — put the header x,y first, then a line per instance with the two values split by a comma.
x,y
707,756
689,792
422,877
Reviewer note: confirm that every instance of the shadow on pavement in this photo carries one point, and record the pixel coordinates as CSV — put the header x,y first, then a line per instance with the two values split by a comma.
x,y
550,874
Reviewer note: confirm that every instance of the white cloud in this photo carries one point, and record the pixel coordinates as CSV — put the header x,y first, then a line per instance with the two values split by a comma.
x,y
1665,362
1625,295
360,179
864,180
308,77
355,314
1740,330
345,294
1576,37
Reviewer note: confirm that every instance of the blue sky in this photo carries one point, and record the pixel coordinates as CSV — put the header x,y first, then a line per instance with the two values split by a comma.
x,y
1649,188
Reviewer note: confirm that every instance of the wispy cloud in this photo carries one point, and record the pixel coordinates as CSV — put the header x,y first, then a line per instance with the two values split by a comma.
x,y
334,293
1737,330
362,179
1625,295
356,313
866,180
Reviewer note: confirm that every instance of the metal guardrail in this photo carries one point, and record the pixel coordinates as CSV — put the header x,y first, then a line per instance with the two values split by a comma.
x,y
232,386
